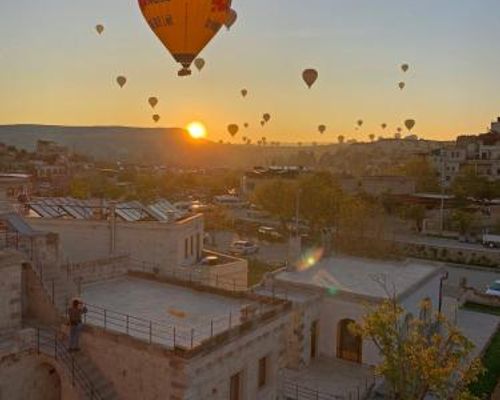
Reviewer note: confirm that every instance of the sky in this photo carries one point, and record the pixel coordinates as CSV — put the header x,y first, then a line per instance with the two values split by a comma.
x,y
55,69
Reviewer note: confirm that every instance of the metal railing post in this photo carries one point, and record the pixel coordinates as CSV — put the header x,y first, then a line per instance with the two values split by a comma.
x,y
230,318
211,328
73,370
127,323
38,340
55,345
192,337
174,337
105,319
297,391
217,280
150,332
53,291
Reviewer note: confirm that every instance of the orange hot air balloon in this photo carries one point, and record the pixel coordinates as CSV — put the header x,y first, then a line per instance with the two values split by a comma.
x,y
310,76
153,101
185,27
156,118
121,80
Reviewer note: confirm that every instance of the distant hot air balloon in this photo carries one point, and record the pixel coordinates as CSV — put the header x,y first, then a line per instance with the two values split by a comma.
x,y
156,118
246,125
322,129
244,92
399,129
153,101
199,63
231,18
262,123
99,28
266,117
121,80
233,129
360,122
405,67
401,85
185,27
410,124
384,125
310,76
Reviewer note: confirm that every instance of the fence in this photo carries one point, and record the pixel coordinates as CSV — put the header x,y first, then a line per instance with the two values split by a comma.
x,y
292,390
174,335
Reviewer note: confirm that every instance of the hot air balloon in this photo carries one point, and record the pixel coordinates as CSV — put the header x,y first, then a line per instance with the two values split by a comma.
x,y
262,123
231,18
322,129
244,92
310,76
121,80
153,101
156,118
405,67
185,27
233,129
99,28
399,130
410,124
384,125
360,122
401,85
199,63
266,117
246,125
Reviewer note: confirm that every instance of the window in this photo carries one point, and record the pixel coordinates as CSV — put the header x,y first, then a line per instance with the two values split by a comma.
x,y
186,248
314,339
234,388
192,245
198,249
262,372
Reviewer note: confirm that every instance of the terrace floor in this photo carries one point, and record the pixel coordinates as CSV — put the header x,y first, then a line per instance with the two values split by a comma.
x,y
150,310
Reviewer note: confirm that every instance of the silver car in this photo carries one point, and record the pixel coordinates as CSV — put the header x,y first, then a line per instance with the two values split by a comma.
x,y
243,248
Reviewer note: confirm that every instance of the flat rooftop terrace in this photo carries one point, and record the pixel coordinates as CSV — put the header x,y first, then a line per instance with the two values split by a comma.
x,y
163,313
358,275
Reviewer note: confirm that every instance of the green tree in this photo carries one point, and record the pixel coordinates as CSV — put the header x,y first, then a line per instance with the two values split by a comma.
x,y
464,221
421,355
415,213
278,197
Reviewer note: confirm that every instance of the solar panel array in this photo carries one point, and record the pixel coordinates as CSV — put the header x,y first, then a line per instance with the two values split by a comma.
x,y
132,211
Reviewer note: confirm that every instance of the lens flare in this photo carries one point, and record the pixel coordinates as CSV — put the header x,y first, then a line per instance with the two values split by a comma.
x,y
310,258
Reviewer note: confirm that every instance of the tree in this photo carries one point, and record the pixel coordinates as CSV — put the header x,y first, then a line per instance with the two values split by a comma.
x,y
464,221
421,356
277,197
469,184
415,213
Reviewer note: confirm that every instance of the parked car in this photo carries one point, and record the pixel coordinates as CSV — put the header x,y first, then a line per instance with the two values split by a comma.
x,y
494,289
491,241
269,233
243,248
210,260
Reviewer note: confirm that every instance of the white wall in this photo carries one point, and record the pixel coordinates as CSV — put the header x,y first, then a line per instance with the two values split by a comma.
x,y
154,242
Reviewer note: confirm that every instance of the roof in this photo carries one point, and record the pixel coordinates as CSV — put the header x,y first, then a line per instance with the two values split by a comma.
x,y
18,224
132,211
357,276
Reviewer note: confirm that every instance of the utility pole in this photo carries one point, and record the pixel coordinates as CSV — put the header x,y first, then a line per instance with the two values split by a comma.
x,y
442,190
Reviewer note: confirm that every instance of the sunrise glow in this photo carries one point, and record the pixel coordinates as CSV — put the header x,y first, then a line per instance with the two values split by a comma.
x,y
197,130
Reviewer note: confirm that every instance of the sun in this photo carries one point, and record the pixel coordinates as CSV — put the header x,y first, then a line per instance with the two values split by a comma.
x,y
196,130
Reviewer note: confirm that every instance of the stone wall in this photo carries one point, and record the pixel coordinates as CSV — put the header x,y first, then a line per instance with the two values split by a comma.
x,y
36,301
137,370
27,375
10,289
97,270
482,257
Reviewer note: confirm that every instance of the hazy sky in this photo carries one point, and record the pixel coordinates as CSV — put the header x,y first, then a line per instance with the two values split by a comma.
x,y
54,69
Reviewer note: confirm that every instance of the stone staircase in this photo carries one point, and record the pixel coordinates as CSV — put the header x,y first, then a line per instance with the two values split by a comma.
x,y
79,368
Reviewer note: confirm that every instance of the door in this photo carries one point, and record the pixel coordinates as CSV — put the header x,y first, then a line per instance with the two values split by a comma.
x,y
349,346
